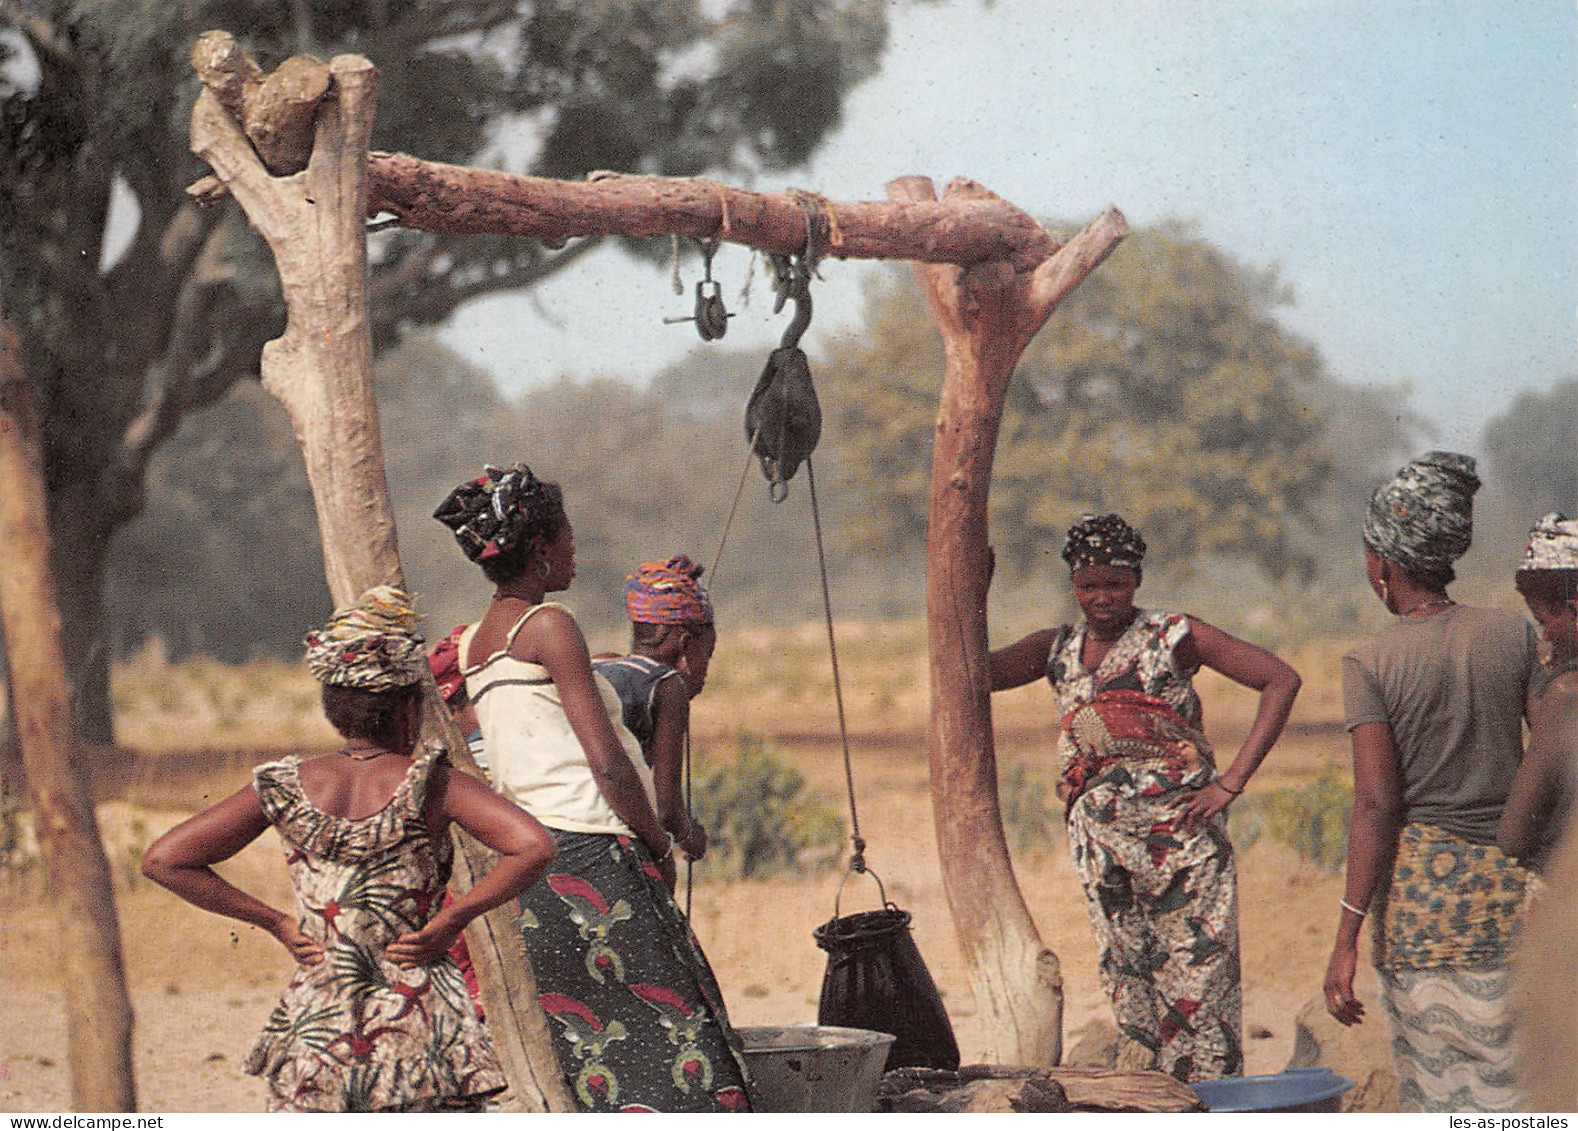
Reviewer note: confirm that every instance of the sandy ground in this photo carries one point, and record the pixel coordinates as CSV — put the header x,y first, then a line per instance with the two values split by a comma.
x,y
202,986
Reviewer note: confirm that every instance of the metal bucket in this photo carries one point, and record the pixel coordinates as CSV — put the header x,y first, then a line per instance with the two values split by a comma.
x,y
815,1067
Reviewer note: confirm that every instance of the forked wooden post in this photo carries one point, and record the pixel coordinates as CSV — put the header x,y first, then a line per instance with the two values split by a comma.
x,y
321,371
987,314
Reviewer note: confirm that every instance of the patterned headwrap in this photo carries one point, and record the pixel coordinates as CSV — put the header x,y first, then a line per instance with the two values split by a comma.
x,y
496,511
1423,518
667,593
372,645
1553,544
445,662
1103,539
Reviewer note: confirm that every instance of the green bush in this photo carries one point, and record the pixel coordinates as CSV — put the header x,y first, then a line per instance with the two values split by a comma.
x,y
1311,818
760,819
1030,811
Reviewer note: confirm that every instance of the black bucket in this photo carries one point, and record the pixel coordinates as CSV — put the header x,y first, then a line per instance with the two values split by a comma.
x,y
877,980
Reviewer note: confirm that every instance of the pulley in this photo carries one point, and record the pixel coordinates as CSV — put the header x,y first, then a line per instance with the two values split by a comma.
x,y
783,418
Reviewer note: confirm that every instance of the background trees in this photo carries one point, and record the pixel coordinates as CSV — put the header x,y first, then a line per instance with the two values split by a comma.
x,y
1164,388
136,308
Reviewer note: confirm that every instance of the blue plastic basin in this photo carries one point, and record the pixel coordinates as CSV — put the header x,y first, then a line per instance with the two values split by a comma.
x,y
1297,1089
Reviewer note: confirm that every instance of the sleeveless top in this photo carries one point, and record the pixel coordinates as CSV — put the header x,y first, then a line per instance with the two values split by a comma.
x,y
356,1032
534,756
1143,659
635,679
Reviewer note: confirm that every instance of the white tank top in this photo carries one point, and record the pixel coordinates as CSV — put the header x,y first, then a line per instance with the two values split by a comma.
x,y
534,757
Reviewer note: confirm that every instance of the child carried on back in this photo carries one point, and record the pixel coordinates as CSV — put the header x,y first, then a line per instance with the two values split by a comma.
x,y
671,641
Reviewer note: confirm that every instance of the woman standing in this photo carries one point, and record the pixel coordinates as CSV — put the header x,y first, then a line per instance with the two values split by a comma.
x,y
377,1017
638,1021
1537,824
1146,806
1434,708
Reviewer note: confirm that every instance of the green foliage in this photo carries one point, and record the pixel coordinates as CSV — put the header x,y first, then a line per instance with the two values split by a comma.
x,y
1029,809
11,854
1164,387
1311,818
760,819
128,328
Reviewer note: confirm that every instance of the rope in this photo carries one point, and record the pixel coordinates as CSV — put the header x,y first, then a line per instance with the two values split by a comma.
x,y
857,862
750,450
690,865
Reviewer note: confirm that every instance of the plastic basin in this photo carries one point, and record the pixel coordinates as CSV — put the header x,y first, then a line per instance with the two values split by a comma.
x,y
1297,1089
815,1067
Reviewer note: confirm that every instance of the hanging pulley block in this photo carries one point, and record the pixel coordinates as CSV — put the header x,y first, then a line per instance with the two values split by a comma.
x,y
783,419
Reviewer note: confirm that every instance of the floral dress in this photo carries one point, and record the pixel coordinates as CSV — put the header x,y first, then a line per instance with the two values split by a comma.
x,y
1162,896
356,1032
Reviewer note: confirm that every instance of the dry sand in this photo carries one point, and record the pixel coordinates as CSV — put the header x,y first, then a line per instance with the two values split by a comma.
x,y
202,986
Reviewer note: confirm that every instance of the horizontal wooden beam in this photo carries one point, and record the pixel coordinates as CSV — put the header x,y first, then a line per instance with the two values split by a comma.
x,y
963,228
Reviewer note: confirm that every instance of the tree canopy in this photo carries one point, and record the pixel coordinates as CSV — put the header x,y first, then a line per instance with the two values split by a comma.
x,y
1164,388
137,308
1532,449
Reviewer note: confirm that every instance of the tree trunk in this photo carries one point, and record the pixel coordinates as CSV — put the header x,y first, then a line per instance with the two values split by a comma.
x,y
321,371
987,315
98,1010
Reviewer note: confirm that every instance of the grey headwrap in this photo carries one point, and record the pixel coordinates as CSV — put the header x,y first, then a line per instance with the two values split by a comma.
x,y
1423,518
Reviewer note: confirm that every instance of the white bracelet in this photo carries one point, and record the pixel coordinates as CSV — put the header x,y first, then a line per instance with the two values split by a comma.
x,y
1350,907
667,852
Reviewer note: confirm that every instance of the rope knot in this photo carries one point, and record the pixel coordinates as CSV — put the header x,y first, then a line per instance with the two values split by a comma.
x,y
857,862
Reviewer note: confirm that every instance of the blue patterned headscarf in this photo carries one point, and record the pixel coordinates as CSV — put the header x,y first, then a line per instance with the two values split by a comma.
x,y
1423,517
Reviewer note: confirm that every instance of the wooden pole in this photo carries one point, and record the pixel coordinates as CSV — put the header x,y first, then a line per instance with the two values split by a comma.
x,y
98,1009
321,371
987,314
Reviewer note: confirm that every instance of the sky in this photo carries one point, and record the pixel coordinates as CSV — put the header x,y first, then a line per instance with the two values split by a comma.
x,y
1411,166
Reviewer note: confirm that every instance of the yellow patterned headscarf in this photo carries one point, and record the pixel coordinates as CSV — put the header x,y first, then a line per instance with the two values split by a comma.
x,y
373,645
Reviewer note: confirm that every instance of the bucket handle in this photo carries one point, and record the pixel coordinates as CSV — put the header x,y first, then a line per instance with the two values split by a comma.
x,y
839,894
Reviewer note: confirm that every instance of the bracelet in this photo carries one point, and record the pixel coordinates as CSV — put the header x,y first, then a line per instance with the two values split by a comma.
x,y
667,852
1346,906
1231,792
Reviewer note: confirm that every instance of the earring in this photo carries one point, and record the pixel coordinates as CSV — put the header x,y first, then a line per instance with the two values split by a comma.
x,y
544,570
1386,593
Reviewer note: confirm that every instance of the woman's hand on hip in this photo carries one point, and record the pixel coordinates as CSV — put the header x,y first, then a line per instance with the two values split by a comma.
x,y
1206,802
426,946
306,950
1340,1000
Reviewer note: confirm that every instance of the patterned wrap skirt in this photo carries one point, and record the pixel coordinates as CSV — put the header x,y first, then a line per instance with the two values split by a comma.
x,y
1444,932
1162,895
637,1018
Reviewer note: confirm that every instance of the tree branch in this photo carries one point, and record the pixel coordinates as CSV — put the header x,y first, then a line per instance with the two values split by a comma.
x,y
434,298
427,22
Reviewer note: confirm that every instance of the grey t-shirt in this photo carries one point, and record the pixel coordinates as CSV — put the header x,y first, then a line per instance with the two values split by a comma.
x,y
1452,687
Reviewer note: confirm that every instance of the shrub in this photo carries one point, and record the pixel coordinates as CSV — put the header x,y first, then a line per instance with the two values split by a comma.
x,y
1030,811
760,819
1311,818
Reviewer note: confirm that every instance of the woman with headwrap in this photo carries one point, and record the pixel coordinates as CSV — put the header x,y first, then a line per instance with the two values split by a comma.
x,y
1434,708
376,1017
1540,803
671,642
1146,806
638,1021
1537,827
